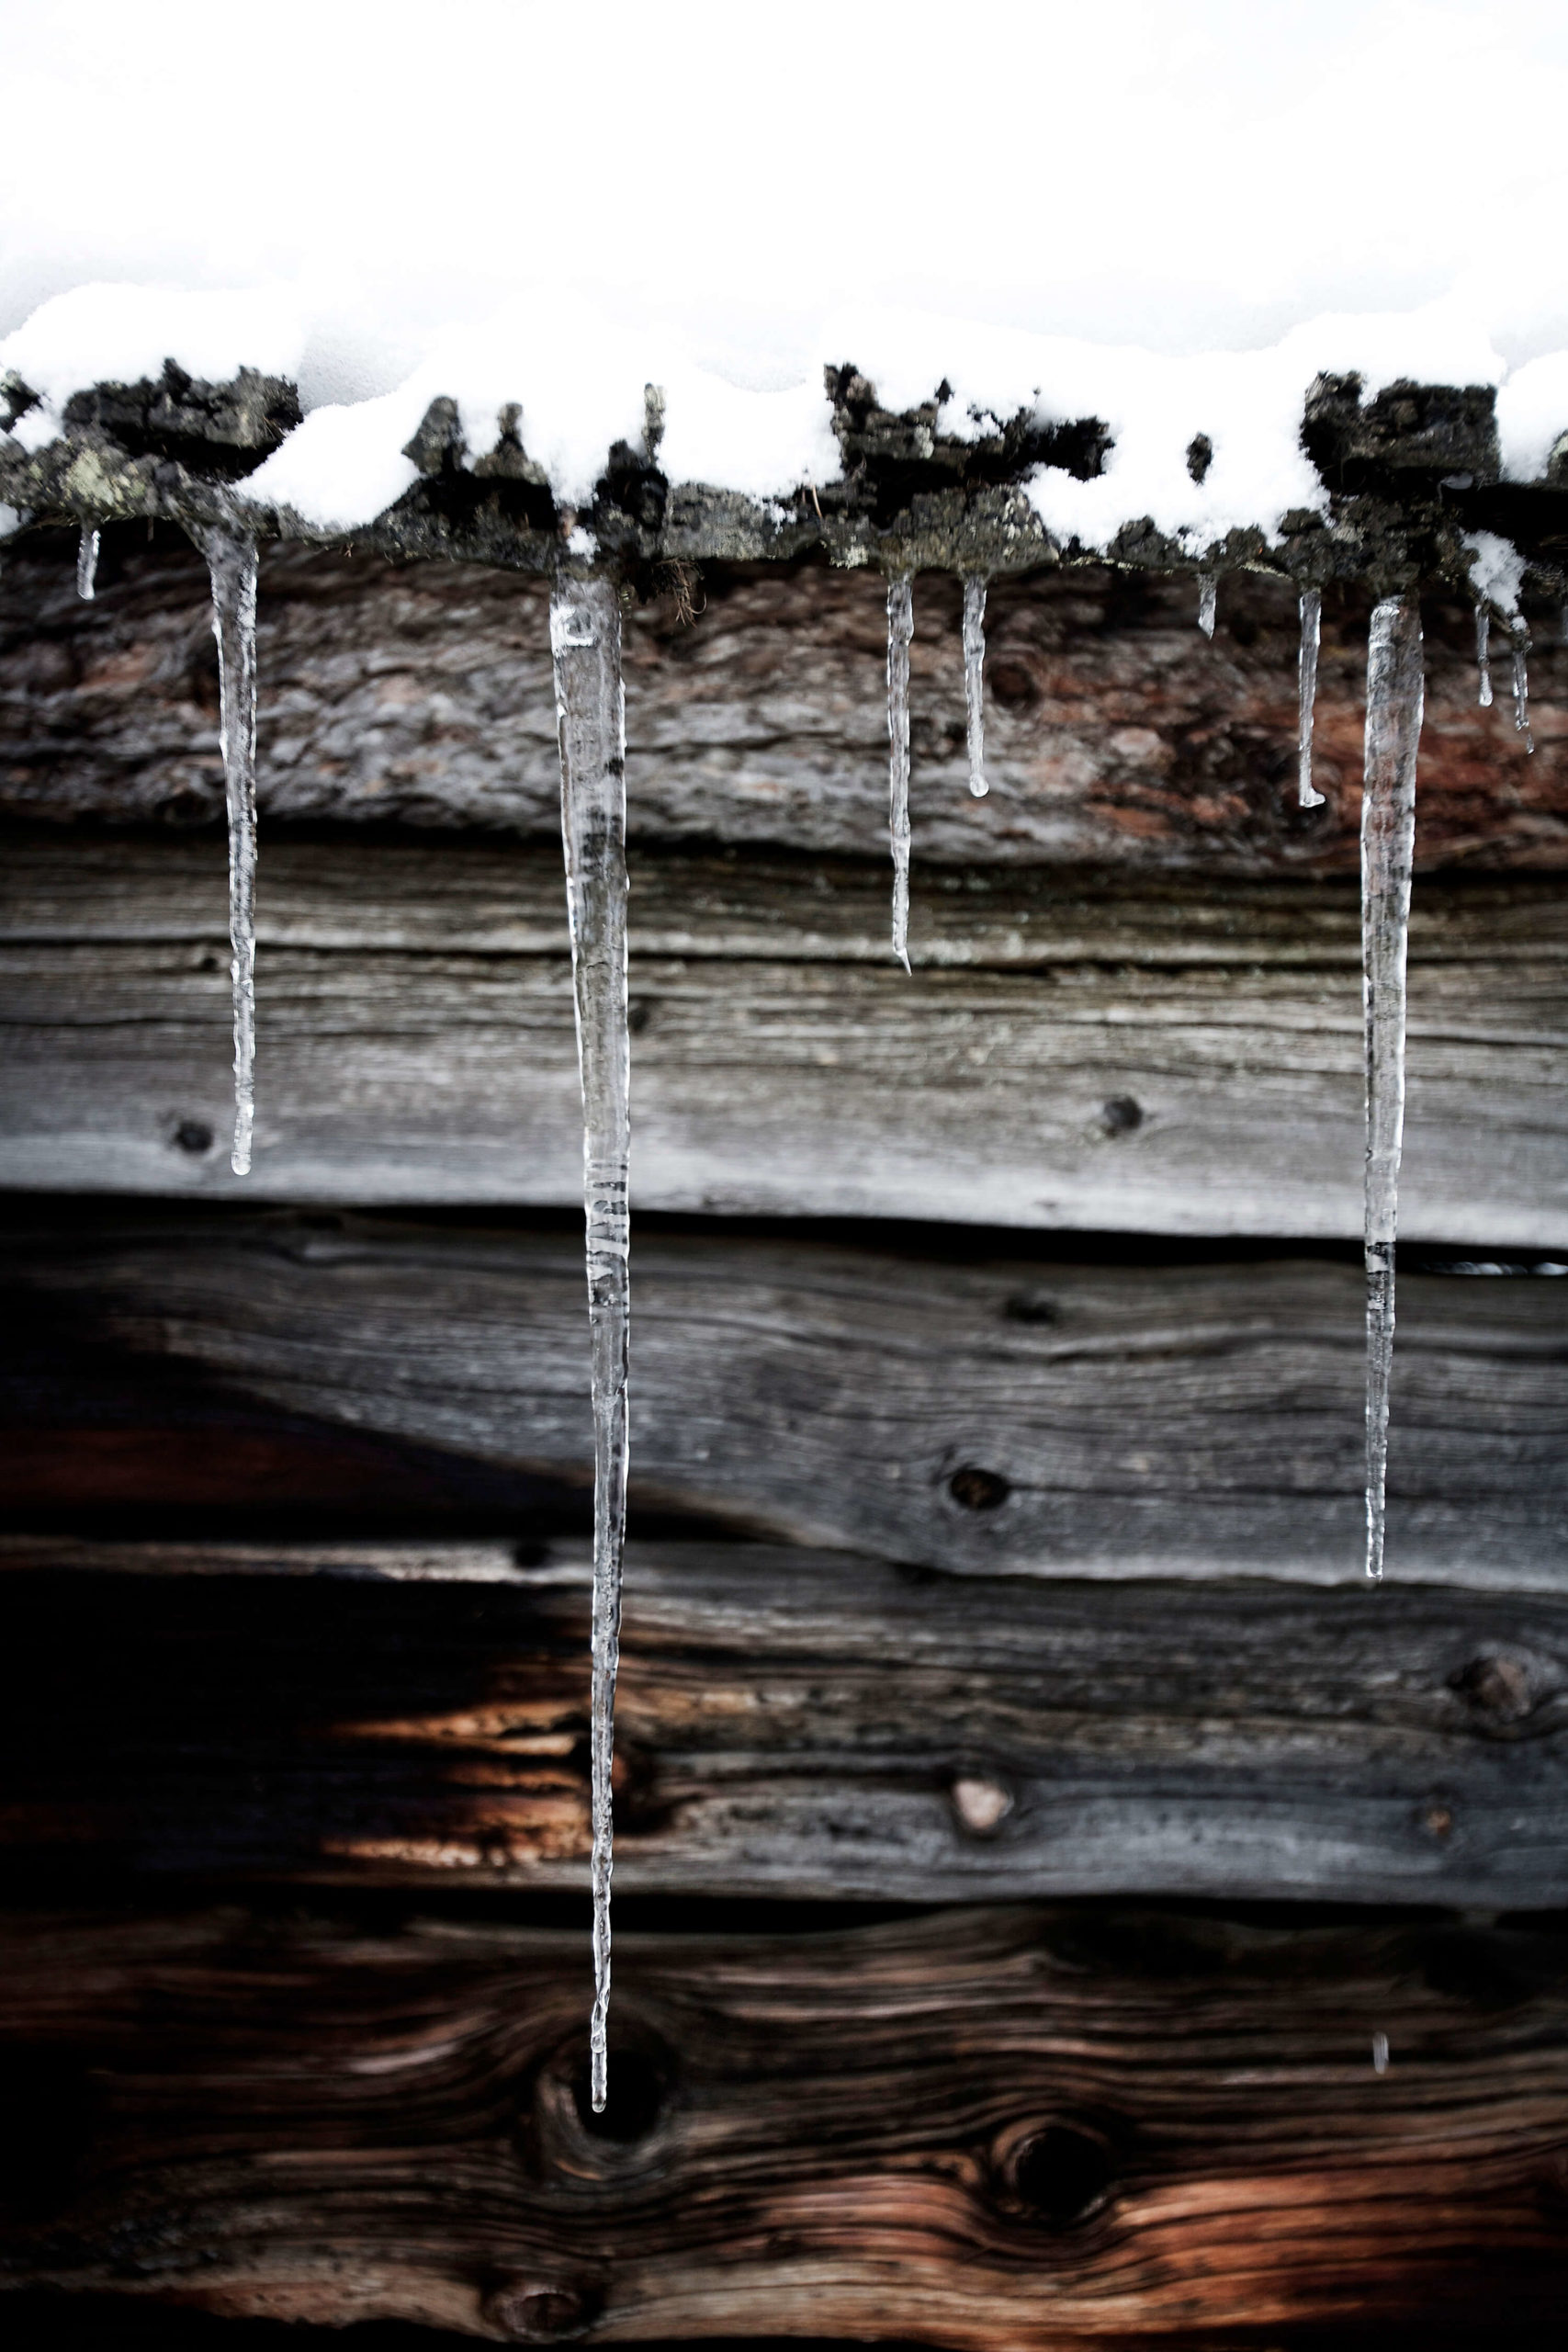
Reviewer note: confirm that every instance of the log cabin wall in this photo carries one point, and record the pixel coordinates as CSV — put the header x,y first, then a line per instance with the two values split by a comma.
x,y
1056,1902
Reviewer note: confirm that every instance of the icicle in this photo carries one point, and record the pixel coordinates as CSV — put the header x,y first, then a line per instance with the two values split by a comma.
x,y
1307,795
1521,680
231,561
1208,601
974,680
901,631
585,641
1394,697
1484,655
1379,2053
88,564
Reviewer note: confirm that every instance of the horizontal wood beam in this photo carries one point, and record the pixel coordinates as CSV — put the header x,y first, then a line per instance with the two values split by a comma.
x,y
978,2129
992,1416
422,695
789,1723
1150,1057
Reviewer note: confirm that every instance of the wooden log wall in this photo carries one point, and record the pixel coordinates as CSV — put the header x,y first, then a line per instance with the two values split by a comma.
x,y
1030,1831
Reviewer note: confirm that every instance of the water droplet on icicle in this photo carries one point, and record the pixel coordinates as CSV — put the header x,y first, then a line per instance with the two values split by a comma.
x,y
585,644
1484,656
974,680
1208,601
88,564
231,562
1395,701
1307,794
1521,682
901,632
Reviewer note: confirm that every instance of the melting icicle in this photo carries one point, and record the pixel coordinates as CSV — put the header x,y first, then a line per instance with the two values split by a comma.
x,y
1484,656
88,564
974,680
1379,2053
901,631
231,561
1208,601
1308,795
585,641
1521,682
1394,697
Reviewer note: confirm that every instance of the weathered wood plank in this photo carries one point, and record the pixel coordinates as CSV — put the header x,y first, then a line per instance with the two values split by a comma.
x,y
422,695
1092,1418
1066,1055
788,1723
982,2129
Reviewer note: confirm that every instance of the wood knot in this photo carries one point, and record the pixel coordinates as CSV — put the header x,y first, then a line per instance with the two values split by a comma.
x,y
543,2311
975,1489
1056,2174
1120,1115
981,1803
1499,1686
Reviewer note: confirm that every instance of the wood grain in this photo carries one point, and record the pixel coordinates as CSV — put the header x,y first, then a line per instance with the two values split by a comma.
x,y
1189,1417
983,2128
420,695
1068,1053
789,1723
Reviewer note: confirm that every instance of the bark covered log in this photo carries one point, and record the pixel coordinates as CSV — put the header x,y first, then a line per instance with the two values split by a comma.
x,y
788,1723
423,696
1068,1053
979,2128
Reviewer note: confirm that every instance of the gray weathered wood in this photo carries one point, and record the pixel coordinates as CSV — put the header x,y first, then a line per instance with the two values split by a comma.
x,y
1177,1420
422,695
1065,1054
981,2129
789,1723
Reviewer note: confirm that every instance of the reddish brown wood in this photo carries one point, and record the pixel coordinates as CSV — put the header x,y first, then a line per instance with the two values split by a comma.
x,y
982,2129
422,695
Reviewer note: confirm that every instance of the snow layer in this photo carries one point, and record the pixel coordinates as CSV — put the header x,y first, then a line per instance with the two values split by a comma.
x,y
1154,216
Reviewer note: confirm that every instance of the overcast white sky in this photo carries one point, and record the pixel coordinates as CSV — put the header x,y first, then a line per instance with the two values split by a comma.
x,y
1183,175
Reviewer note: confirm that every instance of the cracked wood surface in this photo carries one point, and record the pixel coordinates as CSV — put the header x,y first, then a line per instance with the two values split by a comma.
x,y
789,1723
979,2128
1067,1053
992,1416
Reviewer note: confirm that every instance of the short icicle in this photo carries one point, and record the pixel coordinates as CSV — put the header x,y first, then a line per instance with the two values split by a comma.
x,y
87,563
1394,699
974,680
1484,656
901,632
1521,646
1208,601
1307,794
585,643
231,561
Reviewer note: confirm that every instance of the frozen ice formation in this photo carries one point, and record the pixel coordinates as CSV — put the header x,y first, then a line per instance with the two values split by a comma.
x,y
585,644
1395,694
231,561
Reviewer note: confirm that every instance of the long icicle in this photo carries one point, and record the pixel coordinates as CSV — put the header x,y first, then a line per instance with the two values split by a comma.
x,y
901,632
87,563
231,562
1521,646
585,643
1208,601
974,680
1484,656
1307,794
1394,699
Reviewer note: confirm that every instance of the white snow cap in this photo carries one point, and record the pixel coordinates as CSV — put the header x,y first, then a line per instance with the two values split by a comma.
x,y
555,209
122,334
